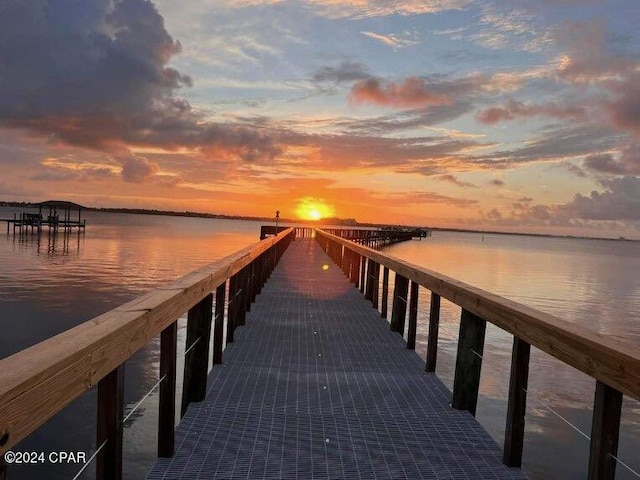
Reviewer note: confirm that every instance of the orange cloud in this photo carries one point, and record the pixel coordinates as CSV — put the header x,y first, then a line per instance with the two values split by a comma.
x,y
412,92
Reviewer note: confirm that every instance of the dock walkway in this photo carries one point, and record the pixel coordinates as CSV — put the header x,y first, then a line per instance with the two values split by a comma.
x,y
315,385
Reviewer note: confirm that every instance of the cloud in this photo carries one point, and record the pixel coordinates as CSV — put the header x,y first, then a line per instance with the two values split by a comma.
x,y
137,169
514,109
620,201
497,182
452,179
406,39
365,8
344,72
97,76
413,92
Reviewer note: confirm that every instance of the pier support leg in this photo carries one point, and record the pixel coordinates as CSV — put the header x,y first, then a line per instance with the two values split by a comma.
x,y
218,325
605,430
413,317
376,285
399,312
233,300
369,286
466,383
517,404
363,269
385,292
196,361
110,416
167,403
434,326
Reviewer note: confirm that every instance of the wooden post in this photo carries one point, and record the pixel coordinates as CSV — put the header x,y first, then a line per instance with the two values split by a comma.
x,y
167,403
218,325
369,284
375,300
413,317
385,292
432,340
605,430
110,416
241,312
363,268
231,311
466,382
399,312
196,361
517,404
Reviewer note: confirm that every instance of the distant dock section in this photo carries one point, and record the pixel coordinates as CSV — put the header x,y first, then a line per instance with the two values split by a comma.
x,y
371,237
56,215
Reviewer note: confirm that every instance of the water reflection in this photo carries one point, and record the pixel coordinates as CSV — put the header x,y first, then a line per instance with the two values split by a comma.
x,y
591,283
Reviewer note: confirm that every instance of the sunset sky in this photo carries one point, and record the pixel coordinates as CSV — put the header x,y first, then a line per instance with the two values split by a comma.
x,y
519,115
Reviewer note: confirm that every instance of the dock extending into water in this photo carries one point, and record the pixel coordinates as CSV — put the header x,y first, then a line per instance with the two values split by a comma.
x,y
314,381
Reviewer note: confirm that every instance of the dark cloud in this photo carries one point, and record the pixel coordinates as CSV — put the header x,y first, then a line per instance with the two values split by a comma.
x,y
620,201
95,74
514,109
345,72
604,163
496,182
452,179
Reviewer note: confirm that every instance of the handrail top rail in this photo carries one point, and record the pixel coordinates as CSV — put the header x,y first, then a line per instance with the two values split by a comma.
x,y
66,365
615,363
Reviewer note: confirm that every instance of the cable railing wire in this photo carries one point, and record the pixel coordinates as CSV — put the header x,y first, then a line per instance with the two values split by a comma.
x,y
86,464
137,405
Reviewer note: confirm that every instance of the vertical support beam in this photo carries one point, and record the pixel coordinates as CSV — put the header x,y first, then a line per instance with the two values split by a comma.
x,y
363,269
196,361
432,340
231,312
385,292
167,403
218,324
110,416
517,404
413,317
375,300
368,295
399,312
605,430
466,383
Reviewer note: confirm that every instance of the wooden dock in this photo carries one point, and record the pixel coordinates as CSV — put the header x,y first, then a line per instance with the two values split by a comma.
x,y
315,385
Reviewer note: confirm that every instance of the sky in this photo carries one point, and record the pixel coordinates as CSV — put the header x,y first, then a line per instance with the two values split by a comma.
x,y
514,116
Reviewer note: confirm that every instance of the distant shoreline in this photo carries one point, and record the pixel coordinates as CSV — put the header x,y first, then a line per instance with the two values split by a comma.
x,y
346,222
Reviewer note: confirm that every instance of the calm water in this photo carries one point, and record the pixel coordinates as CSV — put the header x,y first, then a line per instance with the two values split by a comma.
x,y
48,285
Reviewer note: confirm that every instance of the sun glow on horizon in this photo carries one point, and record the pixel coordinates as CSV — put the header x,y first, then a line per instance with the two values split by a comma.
x,y
310,208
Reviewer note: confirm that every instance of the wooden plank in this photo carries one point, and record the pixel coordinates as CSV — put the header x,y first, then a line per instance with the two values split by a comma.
x,y
196,360
466,382
110,426
517,404
385,292
614,362
605,430
167,391
432,339
413,317
399,308
218,325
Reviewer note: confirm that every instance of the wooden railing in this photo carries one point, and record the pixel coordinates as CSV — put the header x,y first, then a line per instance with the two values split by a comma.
x,y
38,382
614,365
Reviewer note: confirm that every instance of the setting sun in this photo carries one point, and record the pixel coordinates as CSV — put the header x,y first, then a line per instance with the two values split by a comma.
x,y
310,208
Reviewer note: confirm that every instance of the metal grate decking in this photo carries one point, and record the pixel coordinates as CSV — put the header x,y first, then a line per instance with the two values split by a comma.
x,y
316,386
